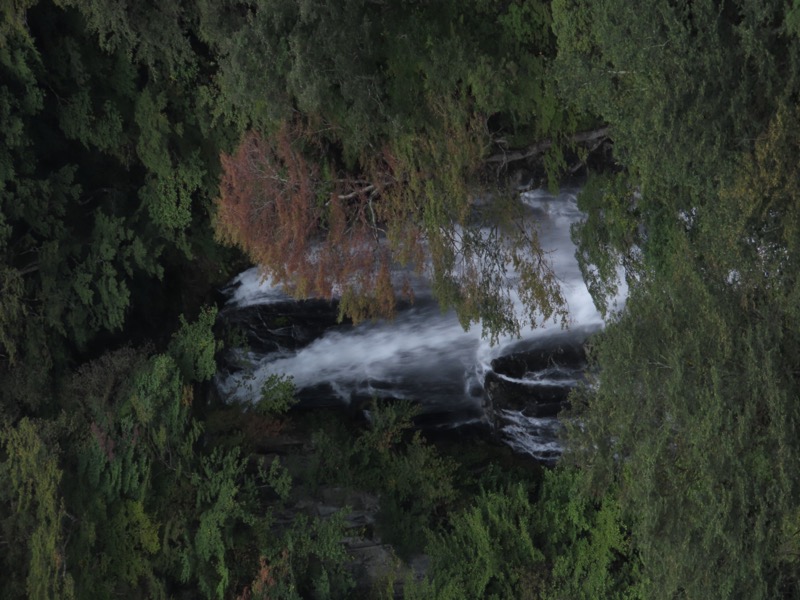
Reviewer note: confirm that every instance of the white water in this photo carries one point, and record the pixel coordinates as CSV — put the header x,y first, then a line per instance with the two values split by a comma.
x,y
423,354
251,288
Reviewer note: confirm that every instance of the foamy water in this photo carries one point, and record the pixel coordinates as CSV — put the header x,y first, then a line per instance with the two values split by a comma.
x,y
424,354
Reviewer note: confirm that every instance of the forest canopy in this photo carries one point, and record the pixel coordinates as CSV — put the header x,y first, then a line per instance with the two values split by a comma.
x,y
383,132
151,150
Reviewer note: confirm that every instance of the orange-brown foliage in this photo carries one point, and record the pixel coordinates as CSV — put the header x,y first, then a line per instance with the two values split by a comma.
x,y
266,579
316,234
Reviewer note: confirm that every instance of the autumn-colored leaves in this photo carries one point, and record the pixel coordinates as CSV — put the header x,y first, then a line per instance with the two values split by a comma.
x,y
318,234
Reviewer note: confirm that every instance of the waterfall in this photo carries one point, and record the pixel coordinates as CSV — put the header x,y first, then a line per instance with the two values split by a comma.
x,y
424,355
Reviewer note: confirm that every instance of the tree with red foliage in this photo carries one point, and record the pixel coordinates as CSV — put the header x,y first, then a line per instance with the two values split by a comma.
x,y
315,233
322,232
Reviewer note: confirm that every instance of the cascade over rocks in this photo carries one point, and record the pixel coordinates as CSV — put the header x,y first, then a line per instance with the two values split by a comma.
x,y
569,354
535,382
517,397
513,392
533,401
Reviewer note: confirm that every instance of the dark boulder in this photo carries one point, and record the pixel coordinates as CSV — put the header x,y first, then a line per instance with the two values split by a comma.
x,y
533,400
534,381
284,325
566,356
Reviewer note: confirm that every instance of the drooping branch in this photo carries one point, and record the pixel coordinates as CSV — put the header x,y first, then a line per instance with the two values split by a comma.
x,y
317,234
543,146
326,232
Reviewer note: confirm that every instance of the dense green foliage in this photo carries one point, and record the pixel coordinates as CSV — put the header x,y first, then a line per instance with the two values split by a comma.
x,y
694,414
512,542
496,531
687,87
122,493
136,132
414,482
697,405
108,165
121,458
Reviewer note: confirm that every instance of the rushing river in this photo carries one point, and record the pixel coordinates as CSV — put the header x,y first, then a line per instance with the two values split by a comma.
x,y
424,355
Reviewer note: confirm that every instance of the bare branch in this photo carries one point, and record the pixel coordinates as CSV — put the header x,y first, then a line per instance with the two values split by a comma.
x,y
543,146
